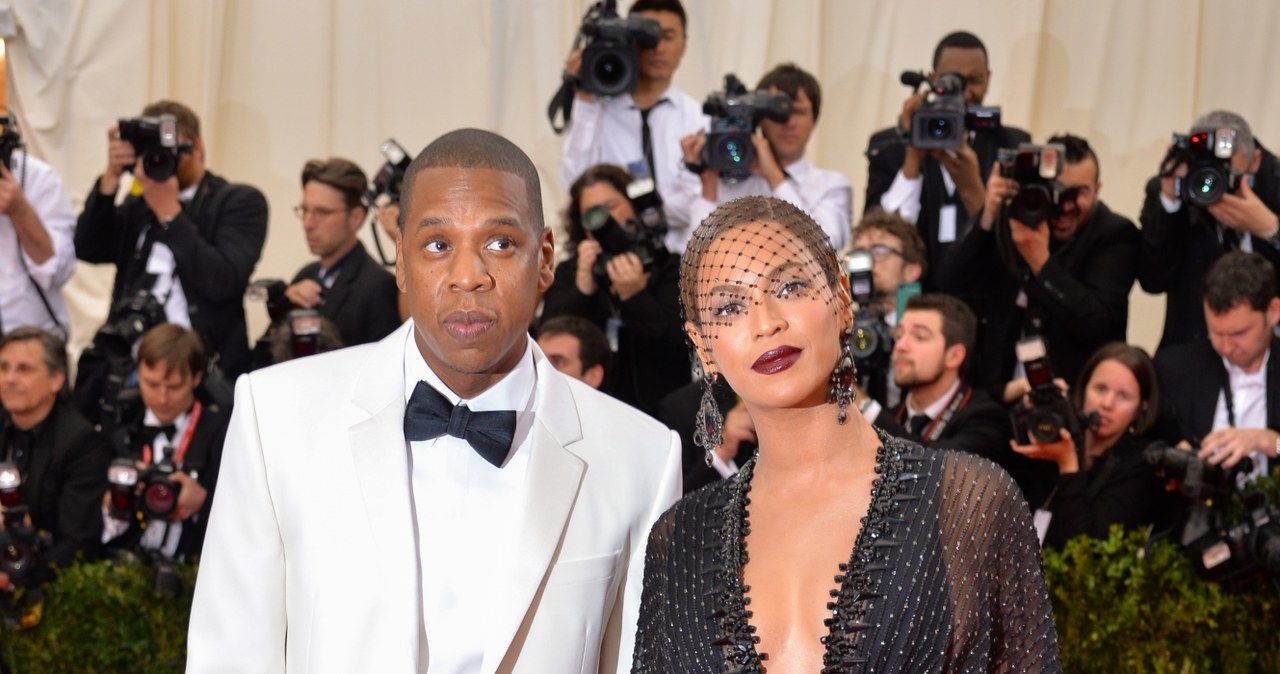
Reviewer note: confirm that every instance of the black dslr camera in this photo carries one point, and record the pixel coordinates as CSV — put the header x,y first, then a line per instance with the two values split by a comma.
x,y
1036,169
19,543
1207,153
872,340
617,238
390,178
944,119
270,291
735,112
611,59
149,494
1050,410
10,140
155,141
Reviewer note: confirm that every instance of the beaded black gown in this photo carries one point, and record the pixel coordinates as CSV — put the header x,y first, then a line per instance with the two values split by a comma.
x,y
944,576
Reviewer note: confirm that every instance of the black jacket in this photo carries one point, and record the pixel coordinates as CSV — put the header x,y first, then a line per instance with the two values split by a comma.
x,y
1081,295
652,359
1191,379
216,242
679,411
63,482
1178,249
886,151
362,301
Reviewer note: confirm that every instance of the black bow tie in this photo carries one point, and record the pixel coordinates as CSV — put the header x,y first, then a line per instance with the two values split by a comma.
x,y
149,433
429,415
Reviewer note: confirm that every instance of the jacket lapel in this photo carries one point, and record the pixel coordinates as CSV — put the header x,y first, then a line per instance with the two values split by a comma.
x,y
553,480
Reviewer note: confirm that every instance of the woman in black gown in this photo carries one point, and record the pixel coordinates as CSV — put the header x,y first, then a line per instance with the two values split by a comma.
x,y
838,548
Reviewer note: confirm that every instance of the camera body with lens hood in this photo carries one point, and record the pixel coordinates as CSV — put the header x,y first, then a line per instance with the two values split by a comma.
x,y
147,494
872,340
944,119
735,113
155,141
1050,410
1207,153
617,238
1036,169
611,58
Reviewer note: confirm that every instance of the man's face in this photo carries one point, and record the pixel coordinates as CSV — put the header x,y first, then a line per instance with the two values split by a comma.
x,y
26,383
326,221
473,267
660,63
1080,192
166,393
565,353
1242,334
788,139
919,349
972,64
889,269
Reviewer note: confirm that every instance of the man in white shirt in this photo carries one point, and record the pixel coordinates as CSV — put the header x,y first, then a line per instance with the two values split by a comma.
x,y
780,168
1223,392
641,131
495,510
37,231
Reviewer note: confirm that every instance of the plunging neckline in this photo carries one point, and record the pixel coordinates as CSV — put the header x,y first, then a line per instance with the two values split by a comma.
x,y
855,585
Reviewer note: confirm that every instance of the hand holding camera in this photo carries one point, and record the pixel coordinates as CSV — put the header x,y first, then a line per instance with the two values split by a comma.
x,y
1244,211
585,279
1226,447
305,294
12,200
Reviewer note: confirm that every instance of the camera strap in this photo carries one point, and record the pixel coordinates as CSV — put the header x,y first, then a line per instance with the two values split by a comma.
x,y
40,293
935,428
181,452
562,102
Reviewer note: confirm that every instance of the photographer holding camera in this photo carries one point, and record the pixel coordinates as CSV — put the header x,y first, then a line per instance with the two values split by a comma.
x,y
61,460
779,168
189,238
37,230
1222,392
1218,190
640,128
167,455
1047,257
939,189
1106,480
631,292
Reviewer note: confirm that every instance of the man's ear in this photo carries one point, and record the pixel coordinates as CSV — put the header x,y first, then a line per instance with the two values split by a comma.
x,y
594,376
953,357
912,272
546,260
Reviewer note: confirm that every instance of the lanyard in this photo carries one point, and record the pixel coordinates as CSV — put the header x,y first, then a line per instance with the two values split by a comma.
x,y
934,430
181,452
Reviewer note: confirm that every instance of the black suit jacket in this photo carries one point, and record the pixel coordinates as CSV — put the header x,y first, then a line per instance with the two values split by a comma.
x,y
1191,379
216,242
1178,249
886,151
362,301
203,459
1081,294
63,482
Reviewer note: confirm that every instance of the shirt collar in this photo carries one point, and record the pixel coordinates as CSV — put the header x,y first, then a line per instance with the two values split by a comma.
x,y
664,98
935,409
1238,374
798,169
512,392
179,424
187,194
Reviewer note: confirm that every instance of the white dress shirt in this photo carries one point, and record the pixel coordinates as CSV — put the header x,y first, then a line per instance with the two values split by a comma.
x,y
824,194
20,304
163,536
465,514
168,287
1249,400
607,131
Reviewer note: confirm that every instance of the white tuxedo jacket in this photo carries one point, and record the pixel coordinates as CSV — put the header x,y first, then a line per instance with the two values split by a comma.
x,y
310,563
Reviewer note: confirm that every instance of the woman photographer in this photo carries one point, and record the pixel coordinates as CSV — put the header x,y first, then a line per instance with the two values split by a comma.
x,y
632,295
1108,482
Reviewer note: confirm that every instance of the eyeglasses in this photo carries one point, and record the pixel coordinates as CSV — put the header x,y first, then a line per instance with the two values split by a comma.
x,y
303,211
879,251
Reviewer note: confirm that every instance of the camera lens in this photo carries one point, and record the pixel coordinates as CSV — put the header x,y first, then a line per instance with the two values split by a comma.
x,y
939,128
159,498
159,164
864,342
1205,186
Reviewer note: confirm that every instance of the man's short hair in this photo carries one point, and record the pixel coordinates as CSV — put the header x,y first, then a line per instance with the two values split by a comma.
x,y
791,80
672,6
593,345
53,349
959,325
340,174
1077,150
476,149
615,176
1239,278
893,224
958,40
188,122
1244,135
174,347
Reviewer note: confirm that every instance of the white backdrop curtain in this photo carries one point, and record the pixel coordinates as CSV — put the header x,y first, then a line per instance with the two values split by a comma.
x,y
277,82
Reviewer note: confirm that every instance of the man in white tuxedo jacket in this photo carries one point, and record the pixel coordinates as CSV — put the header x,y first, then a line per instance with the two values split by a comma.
x,y
442,501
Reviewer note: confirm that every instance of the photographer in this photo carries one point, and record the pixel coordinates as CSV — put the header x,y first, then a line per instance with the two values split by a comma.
x,y
1181,240
576,347
1107,481
1222,392
638,308
1066,277
641,130
780,168
191,239
62,461
939,190
175,435
346,285
37,227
